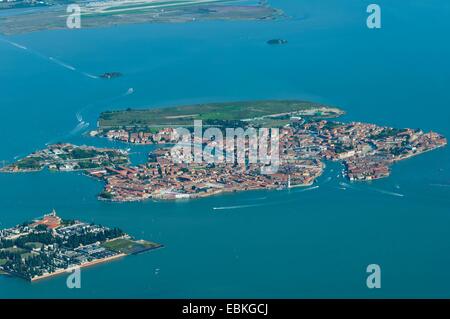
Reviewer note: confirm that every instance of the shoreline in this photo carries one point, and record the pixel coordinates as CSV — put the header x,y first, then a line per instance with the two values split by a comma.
x,y
417,154
216,193
87,264
118,13
395,161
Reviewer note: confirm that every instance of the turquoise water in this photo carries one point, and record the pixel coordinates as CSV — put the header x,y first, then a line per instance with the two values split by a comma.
x,y
296,244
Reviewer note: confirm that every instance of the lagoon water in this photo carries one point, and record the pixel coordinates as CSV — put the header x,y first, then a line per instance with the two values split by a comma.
x,y
294,244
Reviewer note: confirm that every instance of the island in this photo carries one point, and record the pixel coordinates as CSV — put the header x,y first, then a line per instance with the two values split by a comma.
x,y
50,245
232,114
309,136
52,14
69,158
277,41
110,75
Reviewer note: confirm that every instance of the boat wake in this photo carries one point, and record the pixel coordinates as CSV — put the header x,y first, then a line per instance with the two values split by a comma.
x,y
79,127
17,45
82,125
267,203
80,112
347,185
236,207
306,189
387,192
256,199
440,185
48,58
90,75
64,65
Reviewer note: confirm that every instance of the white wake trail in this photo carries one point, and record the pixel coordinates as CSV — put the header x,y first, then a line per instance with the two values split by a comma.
x,y
306,189
17,45
80,127
267,203
80,112
48,58
67,66
440,185
90,75
382,191
346,185
236,207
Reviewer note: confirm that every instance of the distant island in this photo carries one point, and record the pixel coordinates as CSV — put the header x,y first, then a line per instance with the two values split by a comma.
x,y
307,137
50,246
109,13
277,41
111,75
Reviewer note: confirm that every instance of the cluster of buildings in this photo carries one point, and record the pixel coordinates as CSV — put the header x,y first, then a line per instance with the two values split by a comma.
x,y
164,179
366,150
163,136
50,245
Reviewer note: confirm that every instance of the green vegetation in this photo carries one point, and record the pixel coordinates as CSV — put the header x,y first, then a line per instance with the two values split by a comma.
x,y
88,165
41,228
75,241
15,250
127,246
106,195
30,163
25,256
228,111
68,157
35,251
79,153
271,122
34,245
387,132
68,222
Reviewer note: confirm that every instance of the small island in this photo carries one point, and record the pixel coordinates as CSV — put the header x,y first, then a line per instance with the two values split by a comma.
x,y
277,41
50,245
68,158
111,75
